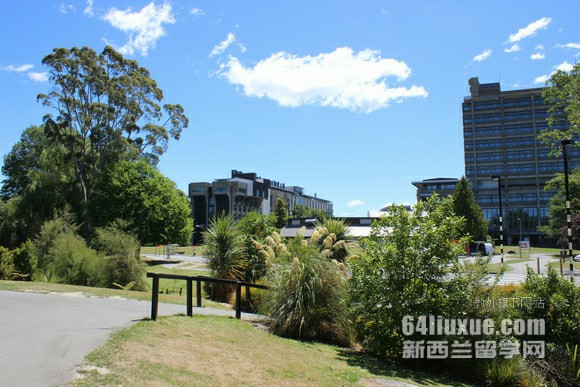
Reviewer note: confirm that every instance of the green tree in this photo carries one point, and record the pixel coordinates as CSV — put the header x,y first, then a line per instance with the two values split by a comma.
x,y
464,205
150,204
301,212
563,96
281,213
107,110
409,267
556,227
39,182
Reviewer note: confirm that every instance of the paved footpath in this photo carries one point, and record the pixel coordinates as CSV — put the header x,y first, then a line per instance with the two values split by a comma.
x,y
45,337
518,271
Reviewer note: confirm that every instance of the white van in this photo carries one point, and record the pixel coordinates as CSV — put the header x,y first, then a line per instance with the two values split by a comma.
x,y
483,248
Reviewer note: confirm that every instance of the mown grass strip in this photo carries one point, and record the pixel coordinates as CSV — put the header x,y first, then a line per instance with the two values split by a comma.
x,y
209,350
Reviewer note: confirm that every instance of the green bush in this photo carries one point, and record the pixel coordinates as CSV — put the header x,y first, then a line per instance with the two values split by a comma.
x,y
25,261
505,372
73,261
557,301
121,262
6,264
307,297
49,233
409,267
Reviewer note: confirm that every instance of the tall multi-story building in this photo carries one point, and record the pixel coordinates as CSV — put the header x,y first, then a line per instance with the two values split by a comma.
x,y
243,193
500,131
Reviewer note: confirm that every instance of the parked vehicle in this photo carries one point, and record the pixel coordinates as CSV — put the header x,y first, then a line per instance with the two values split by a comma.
x,y
483,248
577,258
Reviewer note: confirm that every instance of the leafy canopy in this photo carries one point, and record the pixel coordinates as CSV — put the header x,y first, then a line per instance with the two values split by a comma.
x,y
563,96
464,205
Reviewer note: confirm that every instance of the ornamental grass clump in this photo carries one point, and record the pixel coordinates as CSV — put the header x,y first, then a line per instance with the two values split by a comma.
x,y
307,296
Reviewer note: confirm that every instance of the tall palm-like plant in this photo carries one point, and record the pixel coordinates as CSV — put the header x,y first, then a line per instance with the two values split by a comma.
x,y
333,238
224,247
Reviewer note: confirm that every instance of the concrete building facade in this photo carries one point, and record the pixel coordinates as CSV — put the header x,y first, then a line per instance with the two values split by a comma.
x,y
243,193
500,130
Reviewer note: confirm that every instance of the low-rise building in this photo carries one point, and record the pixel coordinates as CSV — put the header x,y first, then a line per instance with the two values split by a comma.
x,y
243,193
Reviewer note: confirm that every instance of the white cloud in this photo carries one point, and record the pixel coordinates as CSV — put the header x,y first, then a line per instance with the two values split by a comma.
x,y
569,45
514,48
89,8
222,46
355,203
144,27
342,79
565,66
539,47
66,8
530,30
197,12
17,68
483,56
541,79
538,56
38,77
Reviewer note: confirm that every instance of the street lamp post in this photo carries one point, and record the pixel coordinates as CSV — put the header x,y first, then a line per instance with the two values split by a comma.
x,y
568,211
520,240
498,178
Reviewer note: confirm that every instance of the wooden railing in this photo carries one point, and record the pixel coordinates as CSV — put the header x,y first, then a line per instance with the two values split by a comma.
x,y
189,290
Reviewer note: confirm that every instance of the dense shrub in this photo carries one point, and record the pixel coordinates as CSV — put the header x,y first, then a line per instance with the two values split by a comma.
x,y
409,267
557,301
49,233
73,261
6,264
307,297
25,261
121,264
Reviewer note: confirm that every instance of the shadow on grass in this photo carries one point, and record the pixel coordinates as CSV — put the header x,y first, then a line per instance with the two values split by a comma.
x,y
385,370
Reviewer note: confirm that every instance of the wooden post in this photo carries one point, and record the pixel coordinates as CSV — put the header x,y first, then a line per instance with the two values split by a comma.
x,y
238,300
561,267
538,264
198,291
154,297
189,297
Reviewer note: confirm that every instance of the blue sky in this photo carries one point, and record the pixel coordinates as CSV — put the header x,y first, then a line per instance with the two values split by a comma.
x,y
351,100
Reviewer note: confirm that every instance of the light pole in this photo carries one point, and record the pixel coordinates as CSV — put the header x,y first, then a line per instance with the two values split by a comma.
x,y
520,240
568,211
498,178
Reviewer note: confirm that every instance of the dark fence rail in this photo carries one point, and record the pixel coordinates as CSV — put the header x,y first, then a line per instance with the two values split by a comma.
x,y
189,291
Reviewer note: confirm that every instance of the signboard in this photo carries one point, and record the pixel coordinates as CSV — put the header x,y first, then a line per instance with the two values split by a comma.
x,y
524,244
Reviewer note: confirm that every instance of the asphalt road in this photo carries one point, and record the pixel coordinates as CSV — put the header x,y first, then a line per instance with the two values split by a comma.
x,y
45,337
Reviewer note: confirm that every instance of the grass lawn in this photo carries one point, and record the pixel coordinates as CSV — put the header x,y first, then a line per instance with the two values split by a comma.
x,y
527,252
161,251
565,265
208,350
171,286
